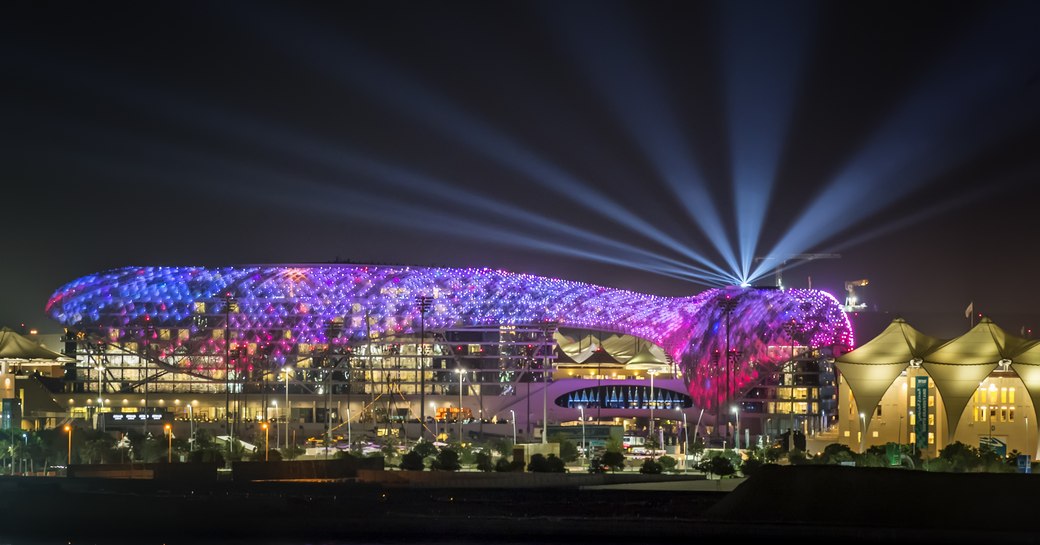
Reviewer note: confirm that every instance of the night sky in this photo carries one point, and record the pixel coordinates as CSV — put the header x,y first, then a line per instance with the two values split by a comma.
x,y
587,140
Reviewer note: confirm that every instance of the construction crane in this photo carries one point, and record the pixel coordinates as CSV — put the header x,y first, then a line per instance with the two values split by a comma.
x,y
792,257
852,302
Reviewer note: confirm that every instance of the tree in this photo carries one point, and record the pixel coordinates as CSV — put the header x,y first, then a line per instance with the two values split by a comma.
x,y
537,464
615,460
447,460
751,466
568,450
502,446
716,465
412,461
555,464
425,449
960,457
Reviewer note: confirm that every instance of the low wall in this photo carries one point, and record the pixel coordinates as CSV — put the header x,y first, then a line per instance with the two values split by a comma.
x,y
191,472
344,468
518,479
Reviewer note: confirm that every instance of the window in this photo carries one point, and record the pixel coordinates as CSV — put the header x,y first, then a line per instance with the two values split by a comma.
x,y
992,394
913,400
875,433
1003,395
1003,414
931,419
913,419
878,411
1011,394
931,401
847,433
200,307
913,437
931,438
1011,414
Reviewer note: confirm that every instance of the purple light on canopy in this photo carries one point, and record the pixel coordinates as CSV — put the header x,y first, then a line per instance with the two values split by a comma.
x,y
279,308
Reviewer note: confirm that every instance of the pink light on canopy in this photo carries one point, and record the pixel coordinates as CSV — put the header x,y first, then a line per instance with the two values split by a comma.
x,y
280,307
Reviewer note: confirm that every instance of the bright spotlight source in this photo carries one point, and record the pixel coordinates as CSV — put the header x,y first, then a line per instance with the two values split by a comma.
x,y
745,284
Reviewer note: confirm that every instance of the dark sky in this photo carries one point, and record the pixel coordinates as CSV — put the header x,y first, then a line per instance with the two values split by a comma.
x,y
905,136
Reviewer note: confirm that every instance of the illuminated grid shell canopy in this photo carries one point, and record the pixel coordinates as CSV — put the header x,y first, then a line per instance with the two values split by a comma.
x,y
283,306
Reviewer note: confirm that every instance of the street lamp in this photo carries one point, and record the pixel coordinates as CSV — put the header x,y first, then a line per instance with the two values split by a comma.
x,y
288,408
423,302
169,449
458,419
584,454
436,425
736,440
267,442
686,432
862,431
652,373
349,439
68,430
512,418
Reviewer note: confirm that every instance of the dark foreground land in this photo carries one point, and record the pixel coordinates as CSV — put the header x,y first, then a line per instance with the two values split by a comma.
x,y
803,504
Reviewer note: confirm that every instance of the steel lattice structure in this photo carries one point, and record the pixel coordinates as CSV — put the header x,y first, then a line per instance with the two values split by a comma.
x,y
284,310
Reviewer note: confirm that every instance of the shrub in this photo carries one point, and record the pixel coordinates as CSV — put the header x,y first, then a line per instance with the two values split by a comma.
x,y
650,467
504,465
538,464
751,466
484,462
425,449
412,461
667,463
447,460
555,464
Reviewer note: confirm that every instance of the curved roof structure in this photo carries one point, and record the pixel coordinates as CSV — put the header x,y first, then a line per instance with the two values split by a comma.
x,y
282,306
957,366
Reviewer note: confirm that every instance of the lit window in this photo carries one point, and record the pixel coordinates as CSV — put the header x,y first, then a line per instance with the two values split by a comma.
x,y
931,401
1003,395
847,433
913,419
1011,394
992,394
931,419
913,400
931,438
875,433
200,307
1003,414
913,437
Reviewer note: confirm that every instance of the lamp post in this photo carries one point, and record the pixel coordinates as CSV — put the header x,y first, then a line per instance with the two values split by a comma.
x,y
652,373
512,419
288,410
191,428
169,443
584,454
423,302
736,440
68,430
349,438
267,442
228,301
458,419
862,431
686,434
